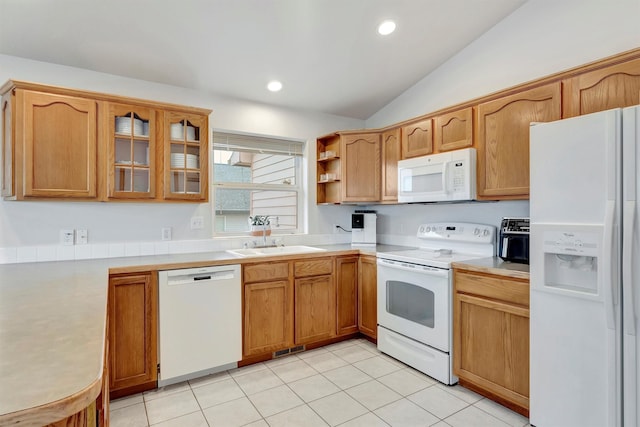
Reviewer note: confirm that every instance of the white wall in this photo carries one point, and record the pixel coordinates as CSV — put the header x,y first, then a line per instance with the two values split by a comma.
x,y
38,223
540,38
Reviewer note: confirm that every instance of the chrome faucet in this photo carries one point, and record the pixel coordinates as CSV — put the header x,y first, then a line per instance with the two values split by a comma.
x,y
264,236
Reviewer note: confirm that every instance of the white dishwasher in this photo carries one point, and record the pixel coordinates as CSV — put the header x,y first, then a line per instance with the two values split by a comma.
x,y
200,322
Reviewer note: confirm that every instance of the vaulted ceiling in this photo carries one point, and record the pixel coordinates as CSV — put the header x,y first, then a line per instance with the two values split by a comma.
x,y
327,53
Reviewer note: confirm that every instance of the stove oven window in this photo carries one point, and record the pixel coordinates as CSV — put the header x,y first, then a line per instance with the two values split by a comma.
x,y
411,302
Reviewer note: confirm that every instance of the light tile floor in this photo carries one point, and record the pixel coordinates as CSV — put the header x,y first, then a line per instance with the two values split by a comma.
x,y
345,384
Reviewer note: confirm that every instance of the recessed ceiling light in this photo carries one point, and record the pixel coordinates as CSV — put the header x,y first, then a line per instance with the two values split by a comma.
x,y
274,86
386,27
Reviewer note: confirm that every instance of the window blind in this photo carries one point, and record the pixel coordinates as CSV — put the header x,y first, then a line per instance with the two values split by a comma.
x,y
227,141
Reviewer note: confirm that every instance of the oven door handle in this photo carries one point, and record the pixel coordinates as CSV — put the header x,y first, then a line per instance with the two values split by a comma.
x,y
419,269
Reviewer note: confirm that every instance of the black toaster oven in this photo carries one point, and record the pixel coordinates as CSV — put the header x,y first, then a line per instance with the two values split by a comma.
x,y
513,244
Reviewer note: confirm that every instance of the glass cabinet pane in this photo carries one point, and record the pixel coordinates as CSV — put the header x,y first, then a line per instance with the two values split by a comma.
x,y
132,152
122,151
177,182
192,132
124,124
185,148
184,130
193,182
141,182
122,179
141,152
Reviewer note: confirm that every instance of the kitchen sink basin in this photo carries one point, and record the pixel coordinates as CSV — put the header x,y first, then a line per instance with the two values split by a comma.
x,y
279,250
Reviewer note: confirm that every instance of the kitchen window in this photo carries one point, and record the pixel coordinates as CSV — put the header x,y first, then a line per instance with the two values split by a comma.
x,y
255,175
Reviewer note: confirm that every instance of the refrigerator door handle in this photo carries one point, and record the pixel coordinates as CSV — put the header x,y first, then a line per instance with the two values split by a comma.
x,y
609,289
629,220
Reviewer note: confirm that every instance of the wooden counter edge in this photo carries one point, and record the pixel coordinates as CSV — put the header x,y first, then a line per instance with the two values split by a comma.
x,y
66,407
57,410
514,274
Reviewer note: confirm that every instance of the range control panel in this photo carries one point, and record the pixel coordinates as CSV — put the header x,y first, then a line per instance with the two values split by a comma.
x,y
458,231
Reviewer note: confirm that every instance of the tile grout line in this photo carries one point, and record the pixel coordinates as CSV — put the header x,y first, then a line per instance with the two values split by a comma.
x,y
262,417
304,403
199,405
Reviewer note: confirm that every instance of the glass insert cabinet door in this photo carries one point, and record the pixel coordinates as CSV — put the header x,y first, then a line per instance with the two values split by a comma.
x,y
185,156
131,151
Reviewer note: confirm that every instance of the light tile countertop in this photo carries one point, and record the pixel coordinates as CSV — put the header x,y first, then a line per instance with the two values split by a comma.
x,y
495,265
53,320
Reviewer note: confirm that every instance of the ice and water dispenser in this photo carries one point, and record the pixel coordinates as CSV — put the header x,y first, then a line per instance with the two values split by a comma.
x,y
571,260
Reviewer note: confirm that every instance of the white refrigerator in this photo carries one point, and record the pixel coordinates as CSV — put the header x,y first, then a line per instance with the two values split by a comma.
x,y
584,265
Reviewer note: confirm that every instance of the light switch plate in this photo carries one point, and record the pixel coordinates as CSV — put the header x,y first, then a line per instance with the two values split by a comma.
x,y
166,233
197,222
82,236
66,237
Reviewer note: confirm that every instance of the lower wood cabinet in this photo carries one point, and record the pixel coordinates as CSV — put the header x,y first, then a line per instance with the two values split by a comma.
x,y
306,301
315,300
367,296
133,320
267,311
491,337
315,309
347,294
268,317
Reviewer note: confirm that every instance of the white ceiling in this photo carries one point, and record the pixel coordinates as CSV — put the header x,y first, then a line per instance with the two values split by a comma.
x,y
327,53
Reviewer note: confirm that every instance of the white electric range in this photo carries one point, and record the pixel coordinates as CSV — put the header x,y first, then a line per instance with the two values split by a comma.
x,y
415,294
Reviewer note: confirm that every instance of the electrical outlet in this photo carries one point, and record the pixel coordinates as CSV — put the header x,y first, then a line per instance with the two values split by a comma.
x,y
197,222
66,237
82,236
166,233
335,228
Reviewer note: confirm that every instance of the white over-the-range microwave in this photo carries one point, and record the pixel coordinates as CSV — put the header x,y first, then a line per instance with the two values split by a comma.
x,y
443,177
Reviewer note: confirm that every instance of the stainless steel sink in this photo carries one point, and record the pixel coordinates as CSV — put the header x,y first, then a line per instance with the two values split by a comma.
x,y
279,250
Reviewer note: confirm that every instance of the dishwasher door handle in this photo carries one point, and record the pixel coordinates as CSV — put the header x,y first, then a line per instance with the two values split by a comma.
x,y
174,278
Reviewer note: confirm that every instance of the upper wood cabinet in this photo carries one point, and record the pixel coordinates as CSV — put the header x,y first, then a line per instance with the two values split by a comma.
x,y
498,126
614,86
361,167
417,139
454,130
133,321
503,139
348,168
131,151
59,137
70,144
7,149
328,168
186,156
391,153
